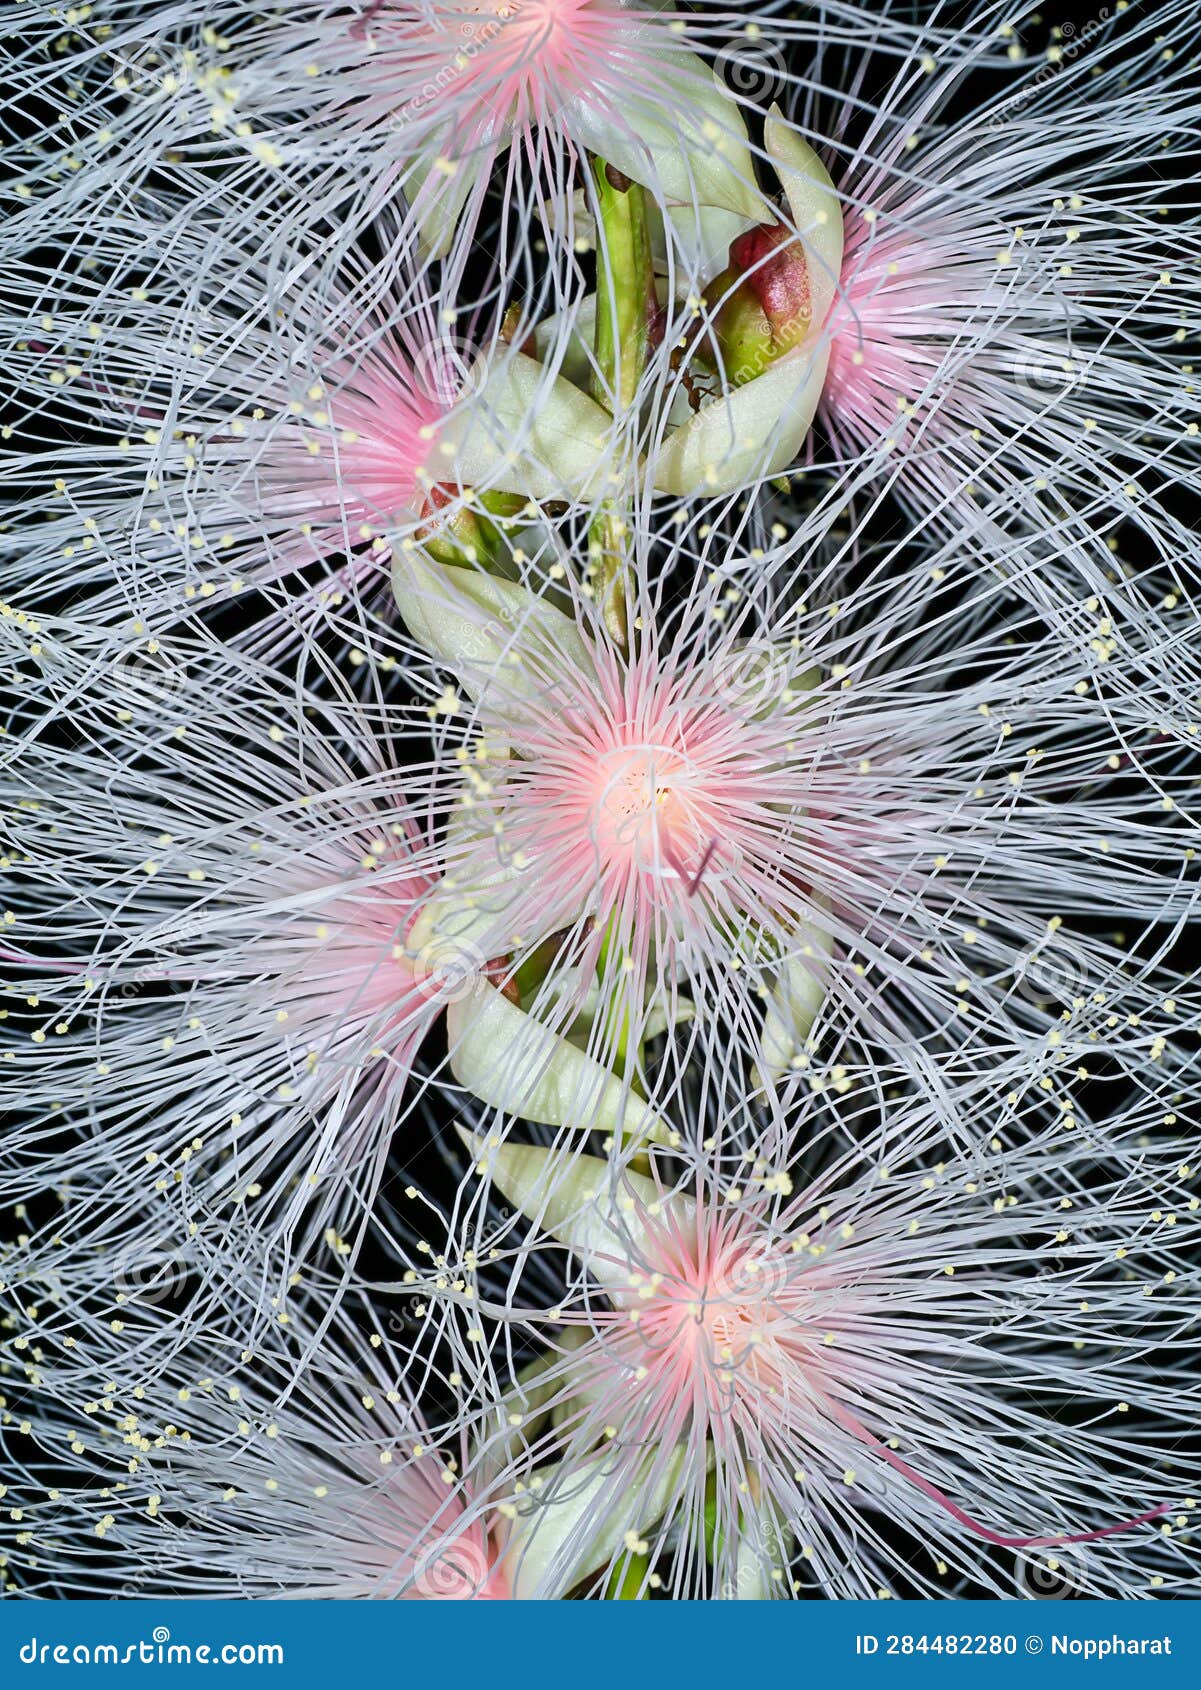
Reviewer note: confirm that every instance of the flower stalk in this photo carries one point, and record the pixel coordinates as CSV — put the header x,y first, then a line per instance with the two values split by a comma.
x,y
625,310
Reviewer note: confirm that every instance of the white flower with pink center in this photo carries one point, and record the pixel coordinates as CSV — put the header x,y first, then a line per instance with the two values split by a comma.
x,y
306,1469
237,1013
630,812
249,420
778,826
1003,341
332,1485
443,111
846,1362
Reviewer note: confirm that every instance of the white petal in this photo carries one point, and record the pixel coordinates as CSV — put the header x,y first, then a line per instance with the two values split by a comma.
x,y
565,341
513,1062
700,157
596,1213
492,633
576,1522
526,430
699,243
815,207
800,988
755,431
437,206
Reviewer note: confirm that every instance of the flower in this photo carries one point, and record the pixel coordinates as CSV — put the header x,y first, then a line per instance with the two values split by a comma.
x,y
333,116
564,76
1004,340
313,1477
766,336
248,419
222,987
879,1364
438,695
220,1008
816,821
306,1468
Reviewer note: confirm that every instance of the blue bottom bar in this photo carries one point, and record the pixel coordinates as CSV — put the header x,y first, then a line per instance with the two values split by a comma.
x,y
618,1646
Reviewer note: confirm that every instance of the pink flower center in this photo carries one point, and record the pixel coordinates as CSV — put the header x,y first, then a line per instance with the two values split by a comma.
x,y
716,1328
641,802
512,58
665,802
890,326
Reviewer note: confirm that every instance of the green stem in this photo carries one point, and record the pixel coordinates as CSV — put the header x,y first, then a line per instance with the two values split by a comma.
x,y
534,970
625,288
714,1538
607,557
617,1020
627,1582
477,536
625,307
616,1026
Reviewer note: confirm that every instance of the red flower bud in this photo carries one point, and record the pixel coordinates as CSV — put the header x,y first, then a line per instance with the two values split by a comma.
x,y
762,302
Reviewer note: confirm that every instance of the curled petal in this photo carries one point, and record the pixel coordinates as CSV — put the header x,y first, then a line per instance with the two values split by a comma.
x,y
802,981
579,1201
698,158
513,1062
484,628
815,207
579,1521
